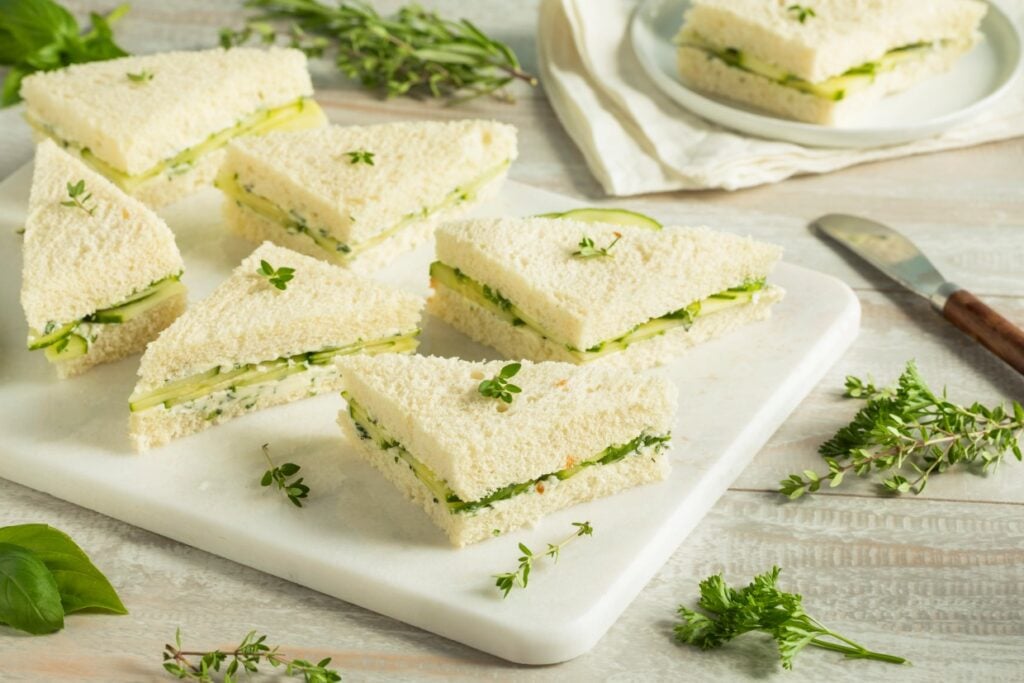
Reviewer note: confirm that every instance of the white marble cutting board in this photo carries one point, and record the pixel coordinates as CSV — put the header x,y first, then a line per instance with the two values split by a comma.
x,y
357,538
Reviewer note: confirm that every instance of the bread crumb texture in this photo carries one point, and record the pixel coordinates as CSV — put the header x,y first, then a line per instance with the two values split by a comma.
x,y
135,125
76,262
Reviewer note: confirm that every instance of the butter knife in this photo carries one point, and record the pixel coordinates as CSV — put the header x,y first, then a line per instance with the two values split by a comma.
x,y
897,257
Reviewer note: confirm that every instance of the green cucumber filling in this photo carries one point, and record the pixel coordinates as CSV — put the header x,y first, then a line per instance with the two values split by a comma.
x,y
368,428
497,304
66,341
295,223
835,88
303,113
247,379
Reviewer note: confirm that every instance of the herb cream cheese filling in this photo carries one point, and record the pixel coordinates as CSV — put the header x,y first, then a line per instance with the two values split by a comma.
x,y
368,428
223,385
835,88
295,223
303,113
494,302
69,340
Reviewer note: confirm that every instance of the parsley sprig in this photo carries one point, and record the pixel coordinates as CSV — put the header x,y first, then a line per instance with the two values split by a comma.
x,y
801,13
521,576
279,277
414,52
79,197
588,250
761,606
246,656
360,156
499,386
909,427
295,489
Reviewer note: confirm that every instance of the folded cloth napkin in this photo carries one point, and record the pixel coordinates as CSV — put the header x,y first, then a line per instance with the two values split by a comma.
x,y
637,140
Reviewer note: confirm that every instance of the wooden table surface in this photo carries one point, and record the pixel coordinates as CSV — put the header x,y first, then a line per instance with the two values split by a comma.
x,y
938,578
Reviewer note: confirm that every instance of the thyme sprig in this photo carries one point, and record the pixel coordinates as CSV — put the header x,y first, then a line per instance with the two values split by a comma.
x,y
360,156
588,250
295,490
761,606
79,197
279,277
246,656
909,427
521,576
499,386
414,52
801,13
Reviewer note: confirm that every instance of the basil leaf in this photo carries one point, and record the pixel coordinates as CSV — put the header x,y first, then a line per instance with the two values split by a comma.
x,y
82,586
35,23
29,599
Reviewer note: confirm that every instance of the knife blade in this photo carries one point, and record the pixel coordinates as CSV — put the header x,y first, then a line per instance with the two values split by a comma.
x,y
900,259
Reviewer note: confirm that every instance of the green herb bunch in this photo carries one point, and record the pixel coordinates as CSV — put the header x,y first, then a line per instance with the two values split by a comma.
x,y
44,576
414,52
246,656
295,489
521,576
499,386
907,427
40,35
761,606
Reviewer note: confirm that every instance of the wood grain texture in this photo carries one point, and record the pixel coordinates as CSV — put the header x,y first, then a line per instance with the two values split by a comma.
x,y
938,578
990,329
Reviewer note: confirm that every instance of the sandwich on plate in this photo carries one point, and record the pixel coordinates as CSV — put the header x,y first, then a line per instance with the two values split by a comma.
x,y
101,272
485,448
567,290
821,61
360,195
271,333
156,124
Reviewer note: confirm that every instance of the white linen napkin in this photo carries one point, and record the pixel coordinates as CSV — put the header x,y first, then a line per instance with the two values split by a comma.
x,y
637,140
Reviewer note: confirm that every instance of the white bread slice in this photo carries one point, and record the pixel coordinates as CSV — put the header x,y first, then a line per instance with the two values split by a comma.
x,y
707,73
417,166
134,126
75,263
247,320
564,414
583,302
841,35
482,326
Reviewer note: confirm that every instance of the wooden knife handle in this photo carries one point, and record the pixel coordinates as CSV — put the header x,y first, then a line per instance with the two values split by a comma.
x,y
993,331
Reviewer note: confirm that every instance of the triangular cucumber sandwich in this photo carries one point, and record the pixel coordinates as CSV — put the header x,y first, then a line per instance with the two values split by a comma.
x,y
481,466
156,124
271,333
358,196
827,61
100,274
566,290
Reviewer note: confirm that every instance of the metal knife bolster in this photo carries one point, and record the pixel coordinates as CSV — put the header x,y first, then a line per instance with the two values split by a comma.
x,y
941,295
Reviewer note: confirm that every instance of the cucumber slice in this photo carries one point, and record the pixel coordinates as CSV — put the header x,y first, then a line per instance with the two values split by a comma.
x,y
51,337
610,216
140,303
68,348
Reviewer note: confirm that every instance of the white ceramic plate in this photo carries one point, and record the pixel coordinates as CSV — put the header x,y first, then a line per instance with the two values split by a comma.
x,y
358,538
976,82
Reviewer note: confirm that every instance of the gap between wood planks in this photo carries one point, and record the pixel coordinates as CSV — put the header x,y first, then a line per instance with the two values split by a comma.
x,y
901,498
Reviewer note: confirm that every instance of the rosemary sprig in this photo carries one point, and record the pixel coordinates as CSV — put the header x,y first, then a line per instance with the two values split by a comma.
x,y
761,606
908,427
588,250
295,490
521,576
279,277
801,13
499,386
79,197
360,156
415,52
247,655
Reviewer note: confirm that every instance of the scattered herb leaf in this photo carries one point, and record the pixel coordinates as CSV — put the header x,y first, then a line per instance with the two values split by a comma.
x,y
521,576
360,156
801,13
588,250
499,386
295,489
143,76
29,598
278,277
79,197
414,52
908,427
